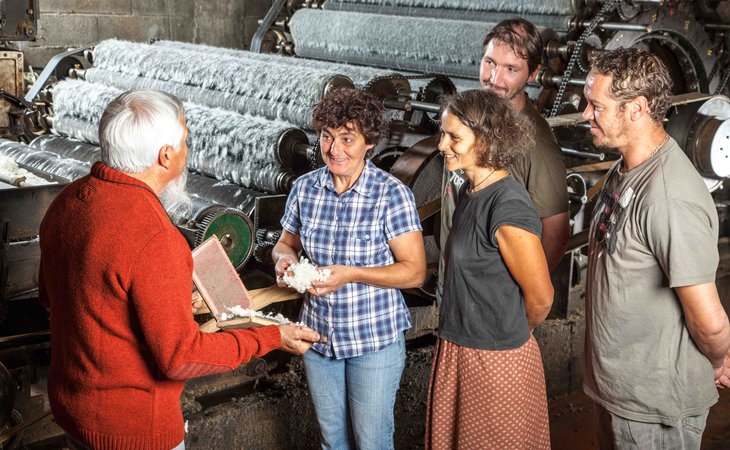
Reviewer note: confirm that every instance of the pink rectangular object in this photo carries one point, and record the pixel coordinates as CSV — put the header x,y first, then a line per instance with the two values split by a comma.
x,y
217,279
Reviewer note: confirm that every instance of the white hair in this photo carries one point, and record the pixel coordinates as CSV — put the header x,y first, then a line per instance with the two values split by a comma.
x,y
136,125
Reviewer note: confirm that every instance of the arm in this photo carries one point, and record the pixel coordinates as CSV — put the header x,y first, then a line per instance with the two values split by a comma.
x,y
285,253
408,270
525,259
159,295
706,321
555,234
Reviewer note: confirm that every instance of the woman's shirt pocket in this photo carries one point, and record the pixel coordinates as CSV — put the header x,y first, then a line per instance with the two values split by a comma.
x,y
366,248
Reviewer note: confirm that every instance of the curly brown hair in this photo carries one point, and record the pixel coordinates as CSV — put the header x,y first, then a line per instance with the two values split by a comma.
x,y
351,105
635,72
503,133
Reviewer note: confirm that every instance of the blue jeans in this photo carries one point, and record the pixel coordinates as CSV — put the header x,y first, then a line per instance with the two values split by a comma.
x,y
354,397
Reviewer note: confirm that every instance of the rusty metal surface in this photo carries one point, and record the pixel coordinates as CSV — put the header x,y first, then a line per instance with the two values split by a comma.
x,y
420,168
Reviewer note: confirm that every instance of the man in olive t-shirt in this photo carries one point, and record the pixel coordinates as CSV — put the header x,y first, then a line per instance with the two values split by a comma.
x,y
656,333
511,60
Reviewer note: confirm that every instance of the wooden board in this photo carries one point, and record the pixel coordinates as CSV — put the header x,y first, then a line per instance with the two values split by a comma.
x,y
245,322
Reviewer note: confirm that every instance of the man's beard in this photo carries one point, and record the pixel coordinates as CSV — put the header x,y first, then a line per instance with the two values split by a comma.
x,y
502,92
176,200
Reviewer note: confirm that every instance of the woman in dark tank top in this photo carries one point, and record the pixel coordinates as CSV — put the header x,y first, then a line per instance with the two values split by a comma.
x,y
487,386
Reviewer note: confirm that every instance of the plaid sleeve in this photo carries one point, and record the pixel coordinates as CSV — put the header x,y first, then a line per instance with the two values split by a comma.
x,y
401,215
290,221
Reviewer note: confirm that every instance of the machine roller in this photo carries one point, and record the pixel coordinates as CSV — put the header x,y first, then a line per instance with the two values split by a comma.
x,y
248,150
273,90
554,14
429,46
44,161
67,160
360,75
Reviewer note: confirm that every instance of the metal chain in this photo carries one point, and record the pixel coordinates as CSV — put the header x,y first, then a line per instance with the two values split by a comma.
x,y
396,76
608,6
713,71
723,82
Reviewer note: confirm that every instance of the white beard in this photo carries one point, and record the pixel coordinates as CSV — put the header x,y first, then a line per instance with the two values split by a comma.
x,y
176,200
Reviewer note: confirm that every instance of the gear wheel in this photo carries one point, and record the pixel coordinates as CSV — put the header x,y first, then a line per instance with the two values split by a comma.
x,y
266,235
262,253
436,87
233,228
388,86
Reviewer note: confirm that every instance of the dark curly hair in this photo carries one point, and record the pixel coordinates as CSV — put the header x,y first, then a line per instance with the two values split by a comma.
x,y
351,105
635,72
502,132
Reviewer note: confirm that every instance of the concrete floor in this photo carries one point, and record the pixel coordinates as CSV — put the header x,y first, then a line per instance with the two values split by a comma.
x,y
571,423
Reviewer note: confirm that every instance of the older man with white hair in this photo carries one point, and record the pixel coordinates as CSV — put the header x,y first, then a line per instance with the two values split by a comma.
x,y
116,274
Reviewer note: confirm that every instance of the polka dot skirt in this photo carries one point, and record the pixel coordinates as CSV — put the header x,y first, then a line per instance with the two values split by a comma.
x,y
481,399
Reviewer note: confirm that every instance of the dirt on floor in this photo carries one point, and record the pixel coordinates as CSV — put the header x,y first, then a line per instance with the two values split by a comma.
x,y
280,415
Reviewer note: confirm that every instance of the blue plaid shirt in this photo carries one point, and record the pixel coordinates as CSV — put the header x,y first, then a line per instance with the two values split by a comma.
x,y
352,229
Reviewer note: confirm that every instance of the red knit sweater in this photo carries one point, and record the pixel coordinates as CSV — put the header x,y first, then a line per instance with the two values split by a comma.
x,y
117,276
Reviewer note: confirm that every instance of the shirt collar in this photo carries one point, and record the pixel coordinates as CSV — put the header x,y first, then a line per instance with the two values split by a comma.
x,y
103,172
363,185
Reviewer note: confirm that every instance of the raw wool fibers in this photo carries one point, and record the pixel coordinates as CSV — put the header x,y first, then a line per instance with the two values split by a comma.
x,y
275,90
360,75
221,144
235,147
206,188
10,170
303,274
403,43
240,311
297,115
518,7
44,161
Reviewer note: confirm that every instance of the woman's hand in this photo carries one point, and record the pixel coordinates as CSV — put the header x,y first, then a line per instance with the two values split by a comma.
x,y
285,253
339,276
282,265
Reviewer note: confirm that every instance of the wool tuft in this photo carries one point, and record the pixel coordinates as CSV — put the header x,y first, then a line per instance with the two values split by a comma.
x,y
303,274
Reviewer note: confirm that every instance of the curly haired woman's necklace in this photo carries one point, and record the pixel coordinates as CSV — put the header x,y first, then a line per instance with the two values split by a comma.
x,y
472,188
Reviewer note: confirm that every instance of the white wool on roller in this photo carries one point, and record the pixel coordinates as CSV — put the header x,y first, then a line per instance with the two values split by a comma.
x,y
418,44
303,274
10,170
360,75
222,144
274,90
518,7
44,161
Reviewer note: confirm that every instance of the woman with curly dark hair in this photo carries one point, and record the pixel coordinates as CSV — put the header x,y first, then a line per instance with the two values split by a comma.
x,y
362,225
487,386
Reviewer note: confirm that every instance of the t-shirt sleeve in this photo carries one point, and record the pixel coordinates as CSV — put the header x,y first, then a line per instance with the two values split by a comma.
x,y
517,212
683,240
401,215
541,171
291,221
